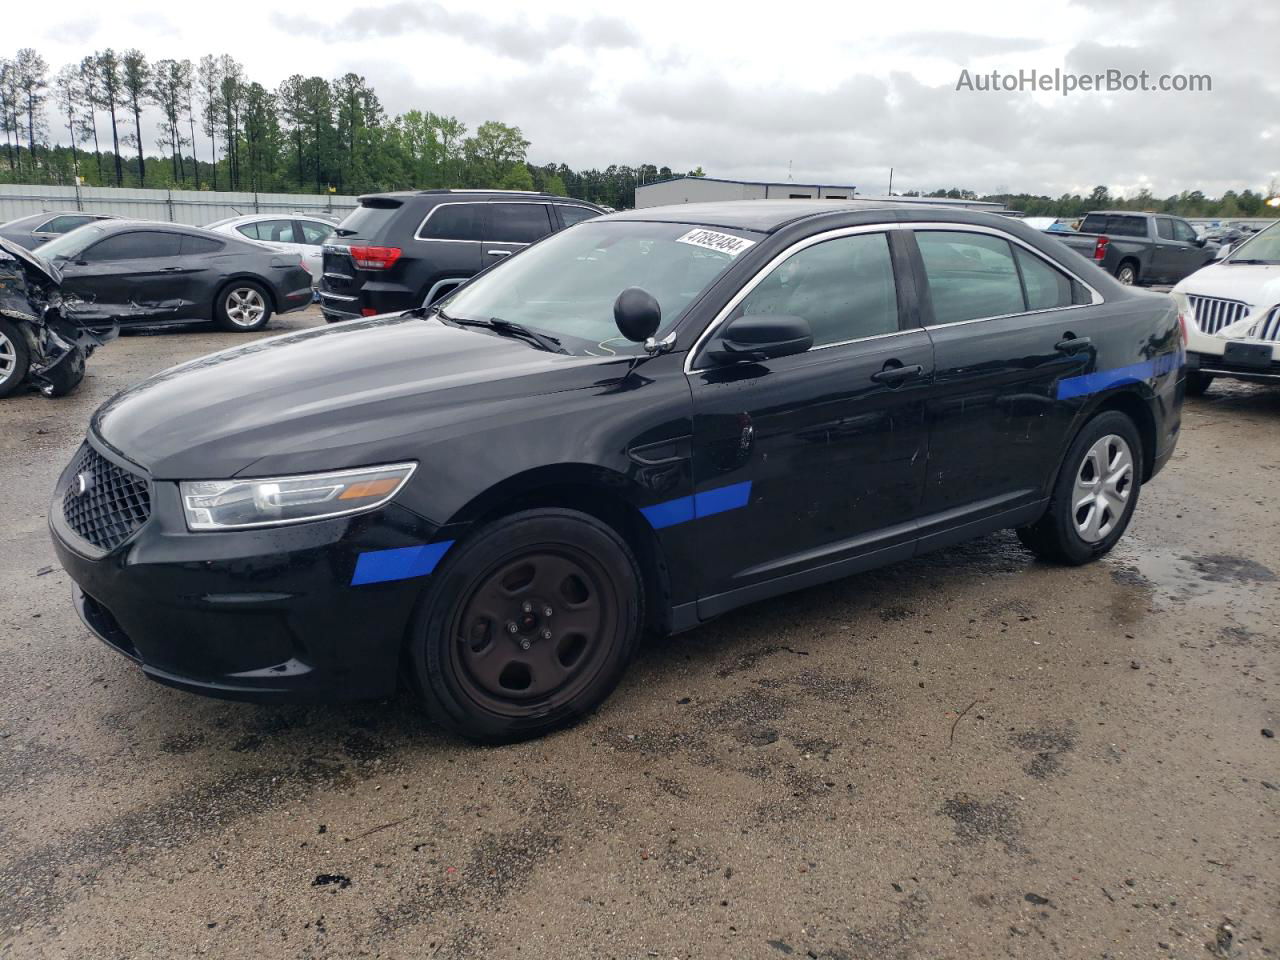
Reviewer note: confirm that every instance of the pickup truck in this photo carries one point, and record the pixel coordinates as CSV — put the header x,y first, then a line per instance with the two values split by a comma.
x,y
1140,247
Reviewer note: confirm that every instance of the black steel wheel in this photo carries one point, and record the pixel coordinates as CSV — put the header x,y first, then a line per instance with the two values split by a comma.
x,y
527,626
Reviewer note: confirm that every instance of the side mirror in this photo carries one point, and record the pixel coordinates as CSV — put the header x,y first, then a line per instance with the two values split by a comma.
x,y
1199,241
765,337
637,314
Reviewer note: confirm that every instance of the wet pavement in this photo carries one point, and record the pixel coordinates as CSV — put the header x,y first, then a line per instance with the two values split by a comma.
x,y
970,755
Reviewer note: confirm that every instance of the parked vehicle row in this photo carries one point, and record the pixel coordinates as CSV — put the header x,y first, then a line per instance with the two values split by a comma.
x,y
39,228
1234,307
298,234
1140,247
402,250
636,423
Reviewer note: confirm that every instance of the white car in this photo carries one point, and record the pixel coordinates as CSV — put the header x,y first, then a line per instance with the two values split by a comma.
x,y
304,235
1233,311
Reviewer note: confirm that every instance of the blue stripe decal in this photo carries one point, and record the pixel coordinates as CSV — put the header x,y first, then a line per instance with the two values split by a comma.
x,y
1088,383
402,563
704,504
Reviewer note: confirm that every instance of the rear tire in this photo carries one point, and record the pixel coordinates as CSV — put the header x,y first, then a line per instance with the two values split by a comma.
x,y
527,626
15,359
1198,383
1094,496
1127,273
243,306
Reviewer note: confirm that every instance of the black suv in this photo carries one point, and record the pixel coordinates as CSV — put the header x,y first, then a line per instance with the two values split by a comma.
x,y
401,250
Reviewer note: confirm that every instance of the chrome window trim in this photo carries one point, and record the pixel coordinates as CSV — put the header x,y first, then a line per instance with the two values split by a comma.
x,y
767,269
417,234
1096,298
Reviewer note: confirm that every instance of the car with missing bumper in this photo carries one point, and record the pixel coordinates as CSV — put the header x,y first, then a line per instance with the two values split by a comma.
x,y
42,342
1233,308
635,425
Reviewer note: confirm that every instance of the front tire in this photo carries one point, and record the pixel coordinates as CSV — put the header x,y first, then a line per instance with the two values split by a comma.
x,y
243,306
527,626
1094,496
1198,383
15,359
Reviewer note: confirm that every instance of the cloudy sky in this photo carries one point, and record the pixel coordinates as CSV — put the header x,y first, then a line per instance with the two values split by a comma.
x,y
833,93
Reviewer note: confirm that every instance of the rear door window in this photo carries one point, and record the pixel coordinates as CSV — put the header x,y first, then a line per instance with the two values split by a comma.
x,y
314,233
454,221
518,222
139,245
272,231
970,275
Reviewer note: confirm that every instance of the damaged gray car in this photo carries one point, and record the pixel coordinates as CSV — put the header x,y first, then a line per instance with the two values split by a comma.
x,y
42,343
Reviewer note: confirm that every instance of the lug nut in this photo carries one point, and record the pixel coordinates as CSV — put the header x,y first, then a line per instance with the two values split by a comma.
x,y
547,611
528,607
512,628
524,644
546,634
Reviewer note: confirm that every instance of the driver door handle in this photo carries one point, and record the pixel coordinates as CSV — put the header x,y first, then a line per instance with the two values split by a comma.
x,y
1073,345
892,376
498,253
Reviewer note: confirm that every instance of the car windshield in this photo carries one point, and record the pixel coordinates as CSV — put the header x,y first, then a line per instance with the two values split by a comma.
x,y
1261,246
72,243
565,285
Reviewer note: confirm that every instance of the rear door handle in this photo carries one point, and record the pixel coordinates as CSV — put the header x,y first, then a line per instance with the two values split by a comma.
x,y
498,253
1073,344
893,376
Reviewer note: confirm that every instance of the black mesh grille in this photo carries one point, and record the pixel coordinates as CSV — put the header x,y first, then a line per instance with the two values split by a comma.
x,y
113,505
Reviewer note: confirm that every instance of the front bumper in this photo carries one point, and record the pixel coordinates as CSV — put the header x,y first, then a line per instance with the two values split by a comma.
x,y
1208,354
267,614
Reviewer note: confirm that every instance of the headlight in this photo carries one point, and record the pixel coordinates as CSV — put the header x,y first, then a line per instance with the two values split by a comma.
x,y
257,502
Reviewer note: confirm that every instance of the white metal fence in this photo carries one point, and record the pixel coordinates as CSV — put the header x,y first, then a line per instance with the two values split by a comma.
x,y
194,207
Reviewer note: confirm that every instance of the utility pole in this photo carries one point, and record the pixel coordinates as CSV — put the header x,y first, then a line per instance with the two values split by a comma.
x,y
891,181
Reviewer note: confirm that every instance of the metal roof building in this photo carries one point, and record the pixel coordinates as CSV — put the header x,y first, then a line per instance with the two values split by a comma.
x,y
702,189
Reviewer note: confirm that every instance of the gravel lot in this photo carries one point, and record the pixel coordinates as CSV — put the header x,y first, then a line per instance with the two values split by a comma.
x,y
972,755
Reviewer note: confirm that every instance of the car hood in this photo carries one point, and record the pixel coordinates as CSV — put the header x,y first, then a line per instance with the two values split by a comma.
x,y
1255,284
346,395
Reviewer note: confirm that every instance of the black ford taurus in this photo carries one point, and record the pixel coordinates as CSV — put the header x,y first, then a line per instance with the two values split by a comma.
x,y
140,273
634,425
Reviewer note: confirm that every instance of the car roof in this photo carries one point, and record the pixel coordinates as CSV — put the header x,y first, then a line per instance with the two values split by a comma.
x,y
769,216
445,194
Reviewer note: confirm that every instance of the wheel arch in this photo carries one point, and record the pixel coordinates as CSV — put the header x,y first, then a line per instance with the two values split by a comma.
x,y
237,278
1129,401
598,491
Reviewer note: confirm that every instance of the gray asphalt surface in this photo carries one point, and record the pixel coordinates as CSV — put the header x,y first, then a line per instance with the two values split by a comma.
x,y
971,755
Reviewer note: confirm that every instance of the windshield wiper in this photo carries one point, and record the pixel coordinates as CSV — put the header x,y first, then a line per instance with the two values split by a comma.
x,y
1247,261
509,328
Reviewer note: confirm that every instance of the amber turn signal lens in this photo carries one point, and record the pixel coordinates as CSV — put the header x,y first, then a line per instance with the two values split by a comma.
x,y
370,488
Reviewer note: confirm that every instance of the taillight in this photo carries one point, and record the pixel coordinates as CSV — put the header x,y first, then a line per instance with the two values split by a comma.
x,y
368,312
375,258
1099,248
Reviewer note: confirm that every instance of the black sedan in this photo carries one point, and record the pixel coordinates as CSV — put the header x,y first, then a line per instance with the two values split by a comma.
x,y
39,228
636,424
140,273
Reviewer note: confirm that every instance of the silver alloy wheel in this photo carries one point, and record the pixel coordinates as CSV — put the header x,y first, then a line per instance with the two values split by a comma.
x,y
8,358
1126,276
245,306
1104,481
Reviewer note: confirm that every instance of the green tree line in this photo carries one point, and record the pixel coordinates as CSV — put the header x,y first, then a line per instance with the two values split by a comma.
x,y
218,129
1188,203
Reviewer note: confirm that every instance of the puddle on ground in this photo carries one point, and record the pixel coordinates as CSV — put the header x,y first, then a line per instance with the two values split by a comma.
x,y
1185,577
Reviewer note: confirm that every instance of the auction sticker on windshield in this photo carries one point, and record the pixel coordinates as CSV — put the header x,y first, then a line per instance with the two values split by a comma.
x,y
723,242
